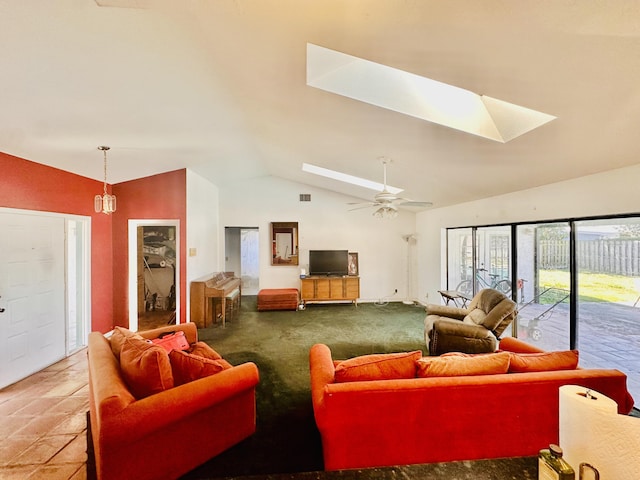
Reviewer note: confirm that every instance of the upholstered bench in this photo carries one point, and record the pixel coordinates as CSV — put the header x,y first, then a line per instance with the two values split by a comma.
x,y
278,299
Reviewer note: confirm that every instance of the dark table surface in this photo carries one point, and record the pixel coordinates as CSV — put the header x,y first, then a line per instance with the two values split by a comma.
x,y
518,468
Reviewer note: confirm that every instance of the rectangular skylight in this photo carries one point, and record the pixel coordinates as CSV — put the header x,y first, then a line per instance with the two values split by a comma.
x,y
343,177
419,97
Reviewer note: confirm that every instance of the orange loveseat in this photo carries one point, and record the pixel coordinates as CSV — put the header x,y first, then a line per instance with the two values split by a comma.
x,y
166,434
438,419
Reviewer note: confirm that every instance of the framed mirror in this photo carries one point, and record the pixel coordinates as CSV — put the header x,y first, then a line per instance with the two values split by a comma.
x,y
284,243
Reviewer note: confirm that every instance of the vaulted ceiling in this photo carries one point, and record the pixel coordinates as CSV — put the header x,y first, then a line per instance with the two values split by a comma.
x,y
220,87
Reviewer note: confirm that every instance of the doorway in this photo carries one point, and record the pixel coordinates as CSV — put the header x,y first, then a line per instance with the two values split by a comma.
x,y
154,266
242,256
43,257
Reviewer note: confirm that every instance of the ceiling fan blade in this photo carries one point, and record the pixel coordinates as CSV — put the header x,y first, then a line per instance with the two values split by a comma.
x,y
412,203
361,206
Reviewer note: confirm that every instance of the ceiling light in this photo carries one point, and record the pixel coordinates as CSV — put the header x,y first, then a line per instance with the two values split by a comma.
x,y
386,211
418,96
105,203
343,177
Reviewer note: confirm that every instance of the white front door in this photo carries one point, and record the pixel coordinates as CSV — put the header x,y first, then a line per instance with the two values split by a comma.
x,y
32,293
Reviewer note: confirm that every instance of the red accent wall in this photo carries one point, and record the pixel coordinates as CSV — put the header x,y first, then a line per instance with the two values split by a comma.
x,y
159,197
32,186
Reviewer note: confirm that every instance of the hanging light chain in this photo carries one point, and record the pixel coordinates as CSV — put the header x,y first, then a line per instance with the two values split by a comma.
x,y
104,151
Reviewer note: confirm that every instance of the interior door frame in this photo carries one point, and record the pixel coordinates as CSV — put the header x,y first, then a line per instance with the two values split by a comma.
x,y
133,264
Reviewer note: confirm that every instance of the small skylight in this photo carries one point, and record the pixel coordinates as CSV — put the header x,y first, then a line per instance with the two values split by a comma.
x,y
343,177
418,96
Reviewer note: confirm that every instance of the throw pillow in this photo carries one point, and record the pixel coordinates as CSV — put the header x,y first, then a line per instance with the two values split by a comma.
x,y
187,367
461,364
382,366
145,367
542,362
203,350
117,339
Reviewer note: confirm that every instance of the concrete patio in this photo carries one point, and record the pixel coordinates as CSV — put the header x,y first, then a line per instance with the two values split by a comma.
x,y
608,335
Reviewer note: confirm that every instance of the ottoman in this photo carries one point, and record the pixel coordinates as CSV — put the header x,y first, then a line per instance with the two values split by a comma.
x,y
278,299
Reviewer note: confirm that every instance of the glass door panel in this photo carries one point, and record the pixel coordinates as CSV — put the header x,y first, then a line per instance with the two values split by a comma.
x,y
543,285
608,266
460,259
493,259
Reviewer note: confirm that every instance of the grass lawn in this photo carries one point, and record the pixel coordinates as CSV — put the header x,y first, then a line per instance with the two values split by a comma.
x,y
592,287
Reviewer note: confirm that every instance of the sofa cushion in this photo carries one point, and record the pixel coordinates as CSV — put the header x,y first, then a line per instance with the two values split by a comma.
x,y
187,367
117,339
145,367
381,366
462,364
544,361
203,350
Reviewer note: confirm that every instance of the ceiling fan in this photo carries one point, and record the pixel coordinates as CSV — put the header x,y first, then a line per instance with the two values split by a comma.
x,y
387,203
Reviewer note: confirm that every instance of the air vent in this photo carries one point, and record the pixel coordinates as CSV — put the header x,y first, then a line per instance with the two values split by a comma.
x,y
305,197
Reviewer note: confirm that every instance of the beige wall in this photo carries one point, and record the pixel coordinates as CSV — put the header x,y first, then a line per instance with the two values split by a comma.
x,y
324,223
203,225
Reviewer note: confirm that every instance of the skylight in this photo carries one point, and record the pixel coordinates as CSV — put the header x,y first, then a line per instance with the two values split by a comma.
x,y
418,96
343,177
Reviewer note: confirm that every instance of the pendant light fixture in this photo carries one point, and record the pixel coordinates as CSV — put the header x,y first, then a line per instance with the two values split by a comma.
x,y
105,203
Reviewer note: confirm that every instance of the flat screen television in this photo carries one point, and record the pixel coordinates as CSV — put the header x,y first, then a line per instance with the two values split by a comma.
x,y
329,262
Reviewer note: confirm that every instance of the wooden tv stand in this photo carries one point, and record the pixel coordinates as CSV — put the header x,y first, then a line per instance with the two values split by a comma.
x,y
330,289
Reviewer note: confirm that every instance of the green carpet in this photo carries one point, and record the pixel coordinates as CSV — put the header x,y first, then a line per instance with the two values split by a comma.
x,y
286,438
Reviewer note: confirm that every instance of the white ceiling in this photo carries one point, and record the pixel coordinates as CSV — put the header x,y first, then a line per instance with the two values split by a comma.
x,y
219,86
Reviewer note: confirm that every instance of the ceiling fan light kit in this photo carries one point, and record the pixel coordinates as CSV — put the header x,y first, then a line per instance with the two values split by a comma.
x,y
386,211
385,202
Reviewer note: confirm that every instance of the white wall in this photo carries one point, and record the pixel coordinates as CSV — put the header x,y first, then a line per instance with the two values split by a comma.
x,y
324,223
609,193
203,228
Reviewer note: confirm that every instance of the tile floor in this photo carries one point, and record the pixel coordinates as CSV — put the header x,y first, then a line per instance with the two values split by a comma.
x,y
43,423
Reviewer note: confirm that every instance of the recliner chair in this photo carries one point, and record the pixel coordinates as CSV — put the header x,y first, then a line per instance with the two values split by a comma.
x,y
475,329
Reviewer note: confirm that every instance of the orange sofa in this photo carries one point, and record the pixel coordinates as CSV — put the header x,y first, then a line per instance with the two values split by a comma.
x,y
438,419
167,434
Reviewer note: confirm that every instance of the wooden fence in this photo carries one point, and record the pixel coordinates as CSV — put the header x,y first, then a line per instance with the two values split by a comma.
x,y
612,256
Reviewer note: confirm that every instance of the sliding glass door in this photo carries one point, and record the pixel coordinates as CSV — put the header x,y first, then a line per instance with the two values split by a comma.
x,y
608,271
577,284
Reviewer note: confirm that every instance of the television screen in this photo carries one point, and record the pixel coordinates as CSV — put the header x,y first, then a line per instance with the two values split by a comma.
x,y
328,262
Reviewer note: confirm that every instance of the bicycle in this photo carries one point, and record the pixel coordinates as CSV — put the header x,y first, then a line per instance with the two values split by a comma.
x,y
502,285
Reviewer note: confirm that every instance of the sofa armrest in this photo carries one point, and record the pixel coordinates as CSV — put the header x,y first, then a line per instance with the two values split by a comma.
x,y
156,412
515,345
446,311
322,371
454,336
190,331
443,326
